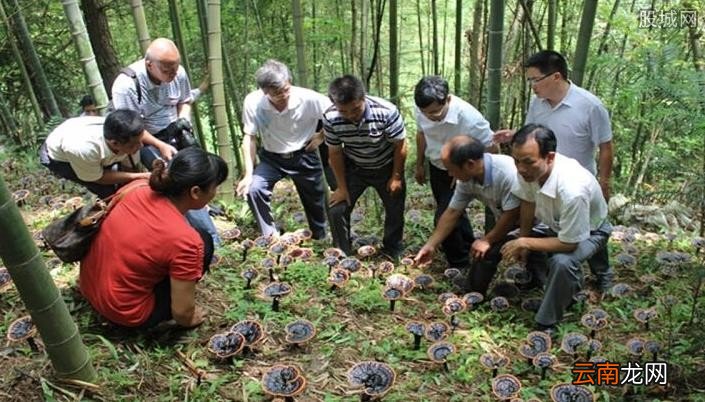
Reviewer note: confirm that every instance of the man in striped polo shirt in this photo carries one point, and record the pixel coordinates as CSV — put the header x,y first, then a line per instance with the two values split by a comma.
x,y
367,145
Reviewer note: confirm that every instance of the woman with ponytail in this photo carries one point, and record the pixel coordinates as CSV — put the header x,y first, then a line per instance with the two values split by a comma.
x,y
144,262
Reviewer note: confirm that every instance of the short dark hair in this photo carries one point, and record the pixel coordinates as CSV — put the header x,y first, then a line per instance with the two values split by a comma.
x,y
86,100
464,148
548,62
123,124
543,136
346,89
190,167
431,88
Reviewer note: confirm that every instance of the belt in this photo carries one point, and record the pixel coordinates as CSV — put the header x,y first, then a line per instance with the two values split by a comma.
x,y
287,155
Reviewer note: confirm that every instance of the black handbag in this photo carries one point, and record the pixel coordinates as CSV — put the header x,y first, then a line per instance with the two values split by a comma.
x,y
70,236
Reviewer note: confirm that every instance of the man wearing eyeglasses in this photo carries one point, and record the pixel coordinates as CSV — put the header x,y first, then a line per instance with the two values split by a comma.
x,y
286,118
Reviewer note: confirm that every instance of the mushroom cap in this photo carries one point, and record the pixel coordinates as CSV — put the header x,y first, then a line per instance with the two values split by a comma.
x,y
303,234
226,344
401,282
366,251
277,248
598,359
592,322
439,351
376,377
493,360
567,392
505,386
445,296
277,289
669,301
5,278
251,330
249,274
499,303
539,341
267,263
289,239
648,279
652,346
599,313
390,293
581,296
531,304
473,298
544,360
385,267
333,252
635,346
625,260
436,331
230,234
263,241
19,195
594,345
286,260
73,203
351,264
451,273
338,277
21,329
645,315
454,305
672,257
300,331
423,280
407,261
505,289
572,341
620,290
247,244
416,327
330,261
283,381
512,271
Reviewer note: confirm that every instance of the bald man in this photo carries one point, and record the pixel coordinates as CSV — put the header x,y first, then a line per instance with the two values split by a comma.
x,y
157,86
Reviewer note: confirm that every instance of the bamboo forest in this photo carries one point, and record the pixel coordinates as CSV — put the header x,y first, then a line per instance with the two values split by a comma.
x,y
186,211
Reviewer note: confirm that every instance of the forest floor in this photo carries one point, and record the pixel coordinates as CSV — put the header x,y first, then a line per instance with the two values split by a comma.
x,y
354,323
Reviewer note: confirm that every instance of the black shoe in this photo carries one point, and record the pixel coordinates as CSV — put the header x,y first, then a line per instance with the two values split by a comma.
x,y
388,254
551,330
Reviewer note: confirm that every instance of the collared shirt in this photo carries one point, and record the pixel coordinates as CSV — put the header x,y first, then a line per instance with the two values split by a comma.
x,y
159,105
80,142
288,130
496,189
570,202
580,121
369,144
462,119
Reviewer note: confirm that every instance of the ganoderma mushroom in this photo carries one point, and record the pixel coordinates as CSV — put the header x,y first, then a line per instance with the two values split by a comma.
x,y
620,290
417,329
445,296
366,251
385,267
505,289
283,381
249,275
276,291
531,304
593,346
376,379
299,332
635,346
5,279
653,347
246,245
407,262
625,260
251,330
499,304
263,241
333,252
20,197
494,361
544,361
303,234
536,342
472,299
226,345
401,282
451,307
352,264
338,278
506,386
23,329
645,315
423,281
277,249
571,342
451,273
593,323
439,352
436,331
392,295
230,234
567,392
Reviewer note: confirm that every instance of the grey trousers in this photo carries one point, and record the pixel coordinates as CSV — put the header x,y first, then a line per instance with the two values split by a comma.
x,y
564,277
358,180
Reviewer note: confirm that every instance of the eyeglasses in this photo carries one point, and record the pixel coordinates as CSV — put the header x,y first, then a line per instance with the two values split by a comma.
x,y
534,81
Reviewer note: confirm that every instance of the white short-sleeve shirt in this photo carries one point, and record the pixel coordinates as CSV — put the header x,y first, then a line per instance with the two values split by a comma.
x,y
580,121
159,105
462,119
80,143
570,202
496,190
290,129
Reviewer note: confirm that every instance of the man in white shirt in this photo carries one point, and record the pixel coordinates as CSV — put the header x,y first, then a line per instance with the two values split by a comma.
x,y
567,199
490,179
285,117
84,150
441,116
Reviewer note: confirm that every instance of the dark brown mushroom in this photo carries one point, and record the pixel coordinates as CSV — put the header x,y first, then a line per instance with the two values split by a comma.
x,y
451,273
230,234
593,323
303,234
333,252
351,264
567,392
506,386
445,296
392,295
252,331
20,197
289,239
407,261
494,362
417,329
330,262
536,342
439,352
5,279
385,267
249,275
620,290
451,307
499,304
276,291
366,251
505,289
23,329
423,281
277,249
401,282
246,245
625,260
635,346
338,278
572,341
263,241
299,331
436,331
580,298
283,381
698,244
653,347
376,379
73,203
226,345
472,299
645,315
531,304
593,346
544,361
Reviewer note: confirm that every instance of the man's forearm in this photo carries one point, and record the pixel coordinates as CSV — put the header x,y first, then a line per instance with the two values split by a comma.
x,y
526,217
184,110
112,177
399,159
549,245
420,148
446,224
249,150
336,160
604,162
506,222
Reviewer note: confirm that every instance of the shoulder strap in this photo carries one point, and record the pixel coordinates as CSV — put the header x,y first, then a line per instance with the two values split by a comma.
x,y
133,74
